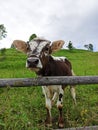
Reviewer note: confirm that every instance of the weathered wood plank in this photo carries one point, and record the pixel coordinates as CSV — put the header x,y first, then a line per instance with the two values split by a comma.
x,y
26,82
81,128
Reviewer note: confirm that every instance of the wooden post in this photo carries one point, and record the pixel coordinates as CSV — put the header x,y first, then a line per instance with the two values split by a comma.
x,y
61,80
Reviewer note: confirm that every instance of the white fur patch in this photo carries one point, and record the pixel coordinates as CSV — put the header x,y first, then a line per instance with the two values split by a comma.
x,y
59,58
26,64
59,103
48,103
33,45
51,94
41,45
39,65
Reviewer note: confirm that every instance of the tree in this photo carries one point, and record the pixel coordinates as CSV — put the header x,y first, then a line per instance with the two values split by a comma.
x,y
32,37
3,32
86,46
70,45
89,47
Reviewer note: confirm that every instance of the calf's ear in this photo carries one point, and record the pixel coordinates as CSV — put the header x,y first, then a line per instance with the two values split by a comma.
x,y
57,45
21,46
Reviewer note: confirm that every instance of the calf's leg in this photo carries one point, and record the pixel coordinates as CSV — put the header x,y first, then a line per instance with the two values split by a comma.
x,y
73,93
60,106
72,89
48,121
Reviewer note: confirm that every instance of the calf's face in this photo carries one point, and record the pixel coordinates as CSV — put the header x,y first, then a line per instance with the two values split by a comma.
x,y
39,52
38,55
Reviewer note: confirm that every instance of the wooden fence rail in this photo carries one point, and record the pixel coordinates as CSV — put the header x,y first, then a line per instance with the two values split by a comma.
x,y
68,80
26,82
82,128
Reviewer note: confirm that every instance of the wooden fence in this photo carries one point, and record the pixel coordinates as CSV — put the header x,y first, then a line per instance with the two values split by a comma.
x,y
82,128
68,80
26,82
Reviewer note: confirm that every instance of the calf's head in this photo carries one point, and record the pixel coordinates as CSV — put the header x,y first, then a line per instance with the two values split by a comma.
x,y
39,51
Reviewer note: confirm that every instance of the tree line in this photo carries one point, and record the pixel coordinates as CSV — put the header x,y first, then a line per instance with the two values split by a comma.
x,y
87,46
3,34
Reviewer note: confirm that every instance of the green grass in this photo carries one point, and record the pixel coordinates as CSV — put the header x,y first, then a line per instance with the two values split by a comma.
x,y
24,108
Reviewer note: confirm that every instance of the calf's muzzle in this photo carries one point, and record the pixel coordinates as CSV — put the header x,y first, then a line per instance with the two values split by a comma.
x,y
32,62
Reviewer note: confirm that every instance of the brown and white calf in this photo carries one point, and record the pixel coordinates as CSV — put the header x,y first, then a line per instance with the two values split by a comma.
x,y
43,63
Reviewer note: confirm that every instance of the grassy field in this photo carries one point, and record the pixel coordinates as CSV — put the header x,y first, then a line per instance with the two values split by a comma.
x,y
24,108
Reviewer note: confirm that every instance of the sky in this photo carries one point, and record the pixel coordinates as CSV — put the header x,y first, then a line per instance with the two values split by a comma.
x,y
68,20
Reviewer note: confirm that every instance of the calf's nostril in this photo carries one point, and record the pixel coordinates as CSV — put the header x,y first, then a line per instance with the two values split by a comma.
x,y
35,61
28,61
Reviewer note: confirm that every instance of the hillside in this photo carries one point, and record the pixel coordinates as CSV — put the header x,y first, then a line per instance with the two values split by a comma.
x,y
24,108
84,63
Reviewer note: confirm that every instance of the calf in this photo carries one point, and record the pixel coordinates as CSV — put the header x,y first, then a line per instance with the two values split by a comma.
x,y
43,63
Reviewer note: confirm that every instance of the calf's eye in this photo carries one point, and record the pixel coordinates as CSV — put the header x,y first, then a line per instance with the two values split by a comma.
x,y
47,49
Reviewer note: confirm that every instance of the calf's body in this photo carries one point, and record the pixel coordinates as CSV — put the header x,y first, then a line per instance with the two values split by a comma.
x,y
56,67
43,63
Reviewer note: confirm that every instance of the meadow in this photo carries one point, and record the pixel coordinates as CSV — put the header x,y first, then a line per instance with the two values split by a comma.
x,y
24,108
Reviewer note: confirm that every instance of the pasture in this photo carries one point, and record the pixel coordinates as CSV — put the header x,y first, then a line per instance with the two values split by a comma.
x,y
24,108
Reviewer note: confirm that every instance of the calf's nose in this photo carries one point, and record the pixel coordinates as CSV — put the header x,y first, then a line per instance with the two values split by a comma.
x,y
32,61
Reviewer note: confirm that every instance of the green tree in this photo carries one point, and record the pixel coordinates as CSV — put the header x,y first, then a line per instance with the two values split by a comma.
x,y
86,46
70,46
3,32
89,46
32,37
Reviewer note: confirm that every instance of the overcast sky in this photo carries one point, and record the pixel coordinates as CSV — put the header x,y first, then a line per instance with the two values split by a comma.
x,y
69,20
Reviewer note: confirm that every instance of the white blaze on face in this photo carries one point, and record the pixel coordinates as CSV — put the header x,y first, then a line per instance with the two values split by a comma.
x,y
38,45
33,45
41,46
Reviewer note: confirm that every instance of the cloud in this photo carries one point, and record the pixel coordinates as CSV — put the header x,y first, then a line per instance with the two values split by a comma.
x,y
53,19
87,30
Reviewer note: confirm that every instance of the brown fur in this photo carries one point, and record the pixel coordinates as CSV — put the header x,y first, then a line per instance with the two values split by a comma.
x,y
56,68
